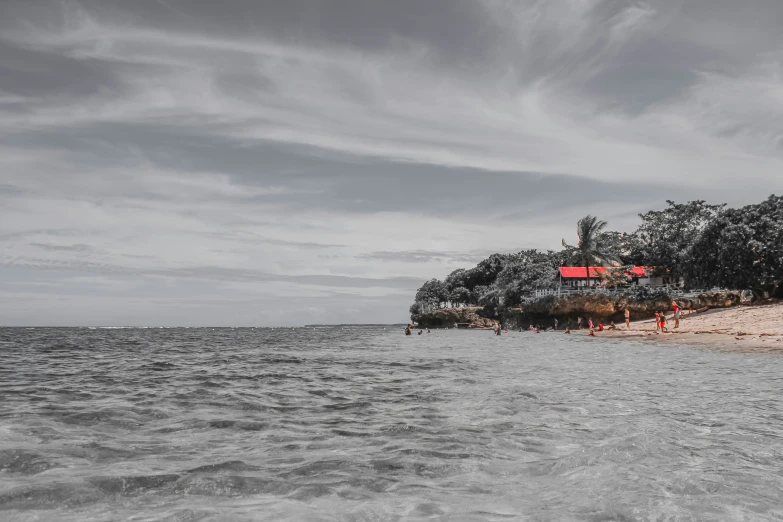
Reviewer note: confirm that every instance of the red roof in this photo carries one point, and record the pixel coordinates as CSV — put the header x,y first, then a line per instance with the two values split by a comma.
x,y
579,272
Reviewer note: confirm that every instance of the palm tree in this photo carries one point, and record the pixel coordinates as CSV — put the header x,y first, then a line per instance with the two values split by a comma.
x,y
589,249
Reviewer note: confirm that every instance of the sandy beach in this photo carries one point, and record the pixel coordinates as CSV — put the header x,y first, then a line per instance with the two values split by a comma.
x,y
740,329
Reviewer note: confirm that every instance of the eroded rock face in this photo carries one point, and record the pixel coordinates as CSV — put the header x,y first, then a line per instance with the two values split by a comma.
x,y
598,307
716,300
449,317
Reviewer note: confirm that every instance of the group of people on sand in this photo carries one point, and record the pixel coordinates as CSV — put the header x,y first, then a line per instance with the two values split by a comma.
x,y
660,321
660,318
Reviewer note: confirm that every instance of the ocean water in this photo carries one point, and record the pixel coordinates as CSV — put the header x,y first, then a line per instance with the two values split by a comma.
x,y
362,423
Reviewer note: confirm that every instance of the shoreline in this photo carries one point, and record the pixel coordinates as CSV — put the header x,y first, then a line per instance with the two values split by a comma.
x,y
752,329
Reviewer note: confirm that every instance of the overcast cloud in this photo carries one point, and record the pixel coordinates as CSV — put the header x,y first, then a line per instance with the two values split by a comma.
x,y
288,162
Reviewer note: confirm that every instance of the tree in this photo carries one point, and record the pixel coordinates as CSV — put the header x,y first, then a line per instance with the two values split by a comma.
x,y
622,246
518,280
485,273
740,249
665,237
431,294
590,248
460,296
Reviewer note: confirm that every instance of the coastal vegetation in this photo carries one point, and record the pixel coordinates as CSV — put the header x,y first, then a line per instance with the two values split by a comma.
x,y
691,245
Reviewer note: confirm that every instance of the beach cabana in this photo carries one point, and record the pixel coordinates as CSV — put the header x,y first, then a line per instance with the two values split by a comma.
x,y
576,276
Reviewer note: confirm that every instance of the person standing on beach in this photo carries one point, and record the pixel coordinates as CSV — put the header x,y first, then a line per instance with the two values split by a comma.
x,y
627,319
657,321
579,323
555,323
677,310
663,323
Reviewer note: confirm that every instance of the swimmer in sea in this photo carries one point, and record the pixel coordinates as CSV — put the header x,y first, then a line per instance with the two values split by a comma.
x,y
408,330
568,330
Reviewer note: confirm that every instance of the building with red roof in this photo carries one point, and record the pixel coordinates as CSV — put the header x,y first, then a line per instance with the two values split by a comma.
x,y
576,276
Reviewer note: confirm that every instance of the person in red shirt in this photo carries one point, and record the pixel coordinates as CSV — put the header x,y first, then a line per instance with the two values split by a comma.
x,y
677,311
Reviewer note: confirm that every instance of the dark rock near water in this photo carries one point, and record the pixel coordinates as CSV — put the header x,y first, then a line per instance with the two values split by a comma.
x,y
598,307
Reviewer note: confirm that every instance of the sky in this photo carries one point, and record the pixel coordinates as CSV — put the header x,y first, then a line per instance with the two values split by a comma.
x,y
270,163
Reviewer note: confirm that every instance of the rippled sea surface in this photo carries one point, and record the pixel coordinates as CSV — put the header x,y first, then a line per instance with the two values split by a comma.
x,y
362,423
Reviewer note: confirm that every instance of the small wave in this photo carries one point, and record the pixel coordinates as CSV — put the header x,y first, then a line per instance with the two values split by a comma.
x,y
23,462
232,465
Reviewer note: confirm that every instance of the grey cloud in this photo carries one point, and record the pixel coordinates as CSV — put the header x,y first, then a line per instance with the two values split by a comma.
x,y
213,273
427,256
79,248
527,41
317,179
240,275
406,256
299,244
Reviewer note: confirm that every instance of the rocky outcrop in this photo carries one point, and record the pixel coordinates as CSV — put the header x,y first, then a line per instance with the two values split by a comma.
x,y
715,300
451,317
598,307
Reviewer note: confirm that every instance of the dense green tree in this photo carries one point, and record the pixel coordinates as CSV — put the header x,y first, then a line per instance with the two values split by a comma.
x,y
431,294
458,278
740,248
485,273
664,237
621,246
461,296
520,279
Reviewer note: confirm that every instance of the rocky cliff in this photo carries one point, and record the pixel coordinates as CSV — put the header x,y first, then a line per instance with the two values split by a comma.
x,y
598,307
449,317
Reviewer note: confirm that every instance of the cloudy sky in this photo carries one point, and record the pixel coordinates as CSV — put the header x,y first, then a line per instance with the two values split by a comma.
x,y
313,161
